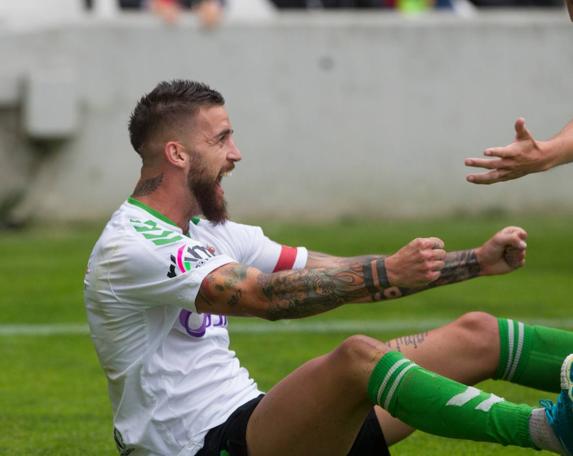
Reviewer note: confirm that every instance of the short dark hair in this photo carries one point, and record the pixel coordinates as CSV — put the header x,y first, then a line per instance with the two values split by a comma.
x,y
167,105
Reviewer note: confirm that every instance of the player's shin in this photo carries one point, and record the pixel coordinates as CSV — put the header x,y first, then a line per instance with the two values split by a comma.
x,y
440,406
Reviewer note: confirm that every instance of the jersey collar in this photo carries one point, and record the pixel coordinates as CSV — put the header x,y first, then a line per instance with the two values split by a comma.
x,y
157,214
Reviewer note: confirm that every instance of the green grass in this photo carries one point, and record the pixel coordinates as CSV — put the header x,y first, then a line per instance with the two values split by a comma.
x,y
53,397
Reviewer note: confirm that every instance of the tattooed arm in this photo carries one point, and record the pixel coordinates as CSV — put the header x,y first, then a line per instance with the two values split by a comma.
x,y
239,290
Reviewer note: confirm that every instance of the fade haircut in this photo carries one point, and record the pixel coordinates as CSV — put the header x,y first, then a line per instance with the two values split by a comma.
x,y
166,107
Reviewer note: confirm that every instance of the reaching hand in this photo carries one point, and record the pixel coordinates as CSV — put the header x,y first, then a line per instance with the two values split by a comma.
x,y
504,252
416,264
521,157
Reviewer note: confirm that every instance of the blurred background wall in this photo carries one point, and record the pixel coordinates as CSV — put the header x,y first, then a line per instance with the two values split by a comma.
x,y
336,114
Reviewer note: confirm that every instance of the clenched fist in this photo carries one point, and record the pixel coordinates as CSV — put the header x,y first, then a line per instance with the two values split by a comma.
x,y
416,264
504,252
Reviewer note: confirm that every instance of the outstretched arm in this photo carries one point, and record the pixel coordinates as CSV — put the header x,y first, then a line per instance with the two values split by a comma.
x,y
235,289
524,156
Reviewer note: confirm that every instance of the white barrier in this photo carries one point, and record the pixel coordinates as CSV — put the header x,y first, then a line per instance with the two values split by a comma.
x,y
336,114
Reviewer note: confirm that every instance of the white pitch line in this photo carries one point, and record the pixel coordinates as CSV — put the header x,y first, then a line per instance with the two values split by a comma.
x,y
292,326
44,329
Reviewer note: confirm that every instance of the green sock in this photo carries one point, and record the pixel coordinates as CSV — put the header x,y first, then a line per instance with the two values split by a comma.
x,y
532,355
440,406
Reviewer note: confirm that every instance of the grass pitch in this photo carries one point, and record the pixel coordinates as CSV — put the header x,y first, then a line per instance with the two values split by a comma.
x,y
53,396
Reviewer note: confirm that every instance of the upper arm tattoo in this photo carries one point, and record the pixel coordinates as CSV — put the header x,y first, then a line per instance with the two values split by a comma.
x,y
224,289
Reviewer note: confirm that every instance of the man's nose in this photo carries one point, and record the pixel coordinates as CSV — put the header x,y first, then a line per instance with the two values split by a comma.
x,y
234,153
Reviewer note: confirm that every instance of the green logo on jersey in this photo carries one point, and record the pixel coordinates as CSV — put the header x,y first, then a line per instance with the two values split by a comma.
x,y
156,234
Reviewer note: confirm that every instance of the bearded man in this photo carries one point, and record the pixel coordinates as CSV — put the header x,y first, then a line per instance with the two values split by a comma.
x,y
161,283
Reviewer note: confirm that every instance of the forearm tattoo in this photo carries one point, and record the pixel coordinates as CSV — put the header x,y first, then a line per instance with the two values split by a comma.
x,y
297,294
306,292
375,278
461,265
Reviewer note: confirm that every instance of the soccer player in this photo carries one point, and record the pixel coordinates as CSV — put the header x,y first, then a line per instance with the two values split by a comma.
x,y
525,155
161,283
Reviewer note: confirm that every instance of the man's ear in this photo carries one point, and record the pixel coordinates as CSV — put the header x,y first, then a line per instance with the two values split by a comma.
x,y
175,154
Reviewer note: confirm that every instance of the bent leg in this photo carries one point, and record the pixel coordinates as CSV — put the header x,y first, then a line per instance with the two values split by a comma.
x,y
465,350
478,346
319,408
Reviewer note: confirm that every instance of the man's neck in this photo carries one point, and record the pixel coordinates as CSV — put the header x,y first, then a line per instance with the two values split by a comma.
x,y
174,202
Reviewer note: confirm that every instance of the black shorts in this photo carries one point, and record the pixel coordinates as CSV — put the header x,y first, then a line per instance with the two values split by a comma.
x,y
229,438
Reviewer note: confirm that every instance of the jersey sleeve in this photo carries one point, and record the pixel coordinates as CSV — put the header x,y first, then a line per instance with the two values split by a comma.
x,y
257,250
167,275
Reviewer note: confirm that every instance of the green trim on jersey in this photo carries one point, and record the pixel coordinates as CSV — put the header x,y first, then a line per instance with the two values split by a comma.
x,y
152,211
158,214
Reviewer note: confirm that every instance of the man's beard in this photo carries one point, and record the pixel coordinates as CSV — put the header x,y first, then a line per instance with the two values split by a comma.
x,y
205,190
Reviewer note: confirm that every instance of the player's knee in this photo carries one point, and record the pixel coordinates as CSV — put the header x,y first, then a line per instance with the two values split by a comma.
x,y
479,330
358,352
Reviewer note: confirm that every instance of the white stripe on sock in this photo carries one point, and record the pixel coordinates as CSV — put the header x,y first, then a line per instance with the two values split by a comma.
x,y
395,385
486,405
520,339
510,352
396,365
463,398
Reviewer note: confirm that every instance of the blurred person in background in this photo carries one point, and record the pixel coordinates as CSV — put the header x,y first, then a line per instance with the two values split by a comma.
x,y
409,6
518,3
525,155
403,5
294,4
210,12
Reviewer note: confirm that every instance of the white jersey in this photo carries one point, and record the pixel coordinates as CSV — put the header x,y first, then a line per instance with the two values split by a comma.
x,y
171,375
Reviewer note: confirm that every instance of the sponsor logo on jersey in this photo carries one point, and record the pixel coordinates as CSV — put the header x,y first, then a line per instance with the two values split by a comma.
x,y
189,257
196,324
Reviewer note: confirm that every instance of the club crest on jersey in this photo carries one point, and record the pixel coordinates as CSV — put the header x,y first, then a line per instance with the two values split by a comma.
x,y
189,257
